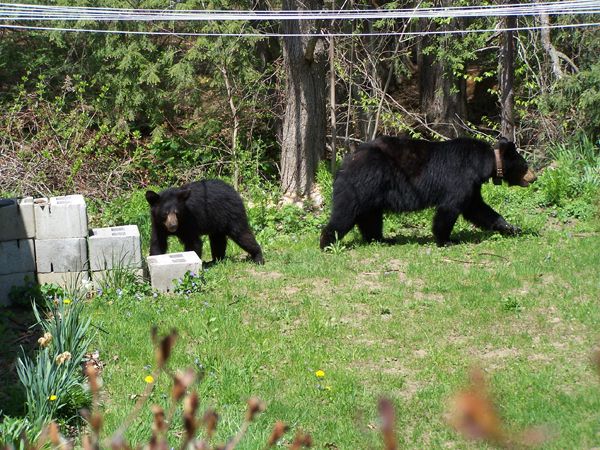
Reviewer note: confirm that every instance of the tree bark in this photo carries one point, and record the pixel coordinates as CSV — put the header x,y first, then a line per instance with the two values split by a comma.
x,y
236,126
332,103
304,121
443,96
506,73
549,47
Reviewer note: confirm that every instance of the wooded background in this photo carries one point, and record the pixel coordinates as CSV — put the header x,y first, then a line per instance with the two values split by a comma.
x,y
102,113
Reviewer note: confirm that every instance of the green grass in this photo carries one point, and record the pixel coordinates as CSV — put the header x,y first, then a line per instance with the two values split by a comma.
x,y
404,321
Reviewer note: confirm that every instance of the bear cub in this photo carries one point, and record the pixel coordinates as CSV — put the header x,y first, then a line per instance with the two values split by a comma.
x,y
400,174
208,207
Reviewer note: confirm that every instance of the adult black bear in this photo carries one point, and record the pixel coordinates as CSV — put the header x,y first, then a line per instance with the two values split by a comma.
x,y
205,207
399,174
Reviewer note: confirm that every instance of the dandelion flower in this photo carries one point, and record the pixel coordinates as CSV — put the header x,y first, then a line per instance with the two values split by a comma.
x,y
320,374
67,301
62,358
53,398
149,379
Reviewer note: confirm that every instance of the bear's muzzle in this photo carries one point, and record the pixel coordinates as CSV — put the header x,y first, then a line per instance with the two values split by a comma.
x,y
171,223
528,178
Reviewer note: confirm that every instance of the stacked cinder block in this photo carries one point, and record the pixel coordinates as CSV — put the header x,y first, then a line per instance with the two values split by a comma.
x,y
114,248
47,240
60,244
17,250
165,269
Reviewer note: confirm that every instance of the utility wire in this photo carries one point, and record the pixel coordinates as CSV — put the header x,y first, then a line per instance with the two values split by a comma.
x,y
267,34
16,11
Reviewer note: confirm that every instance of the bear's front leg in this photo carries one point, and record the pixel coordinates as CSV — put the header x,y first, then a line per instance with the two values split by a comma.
x,y
192,244
158,241
483,215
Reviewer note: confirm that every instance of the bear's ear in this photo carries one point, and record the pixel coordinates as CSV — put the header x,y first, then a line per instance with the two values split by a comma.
x,y
152,197
505,145
184,194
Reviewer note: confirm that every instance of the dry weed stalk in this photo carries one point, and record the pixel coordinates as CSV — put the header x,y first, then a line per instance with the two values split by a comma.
x,y
473,413
596,358
388,420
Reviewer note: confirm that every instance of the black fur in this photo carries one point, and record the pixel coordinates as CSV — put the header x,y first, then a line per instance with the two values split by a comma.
x,y
209,207
398,174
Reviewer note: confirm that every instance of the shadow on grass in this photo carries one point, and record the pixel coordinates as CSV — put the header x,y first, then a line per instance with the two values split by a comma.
x,y
457,238
15,333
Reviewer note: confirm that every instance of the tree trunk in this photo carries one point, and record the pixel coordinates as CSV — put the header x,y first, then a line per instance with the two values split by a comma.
x,y
443,96
304,121
549,47
506,73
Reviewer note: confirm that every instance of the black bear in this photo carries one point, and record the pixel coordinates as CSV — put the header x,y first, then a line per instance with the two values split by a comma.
x,y
400,174
204,207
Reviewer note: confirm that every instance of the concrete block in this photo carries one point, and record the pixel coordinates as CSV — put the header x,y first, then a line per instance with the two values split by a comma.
x,y
115,247
17,256
17,220
61,255
101,277
71,281
60,217
7,282
163,269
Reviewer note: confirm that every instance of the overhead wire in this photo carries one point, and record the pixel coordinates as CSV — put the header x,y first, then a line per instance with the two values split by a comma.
x,y
18,12
328,34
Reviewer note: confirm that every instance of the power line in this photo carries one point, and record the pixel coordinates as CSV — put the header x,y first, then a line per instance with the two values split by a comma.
x,y
15,11
259,35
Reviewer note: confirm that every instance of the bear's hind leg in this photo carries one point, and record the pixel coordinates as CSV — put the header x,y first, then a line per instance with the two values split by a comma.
x,y
246,240
443,222
371,226
218,245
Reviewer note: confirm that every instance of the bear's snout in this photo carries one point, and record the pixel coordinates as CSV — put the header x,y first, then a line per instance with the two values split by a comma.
x,y
171,223
528,178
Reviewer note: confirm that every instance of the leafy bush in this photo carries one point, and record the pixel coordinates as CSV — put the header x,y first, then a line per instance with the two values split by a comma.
x,y
571,184
574,103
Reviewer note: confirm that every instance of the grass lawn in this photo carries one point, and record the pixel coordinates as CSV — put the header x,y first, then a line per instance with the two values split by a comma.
x,y
405,321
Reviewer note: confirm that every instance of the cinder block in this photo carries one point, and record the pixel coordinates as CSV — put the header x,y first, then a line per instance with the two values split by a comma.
x,y
61,255
115,247
66,280
16,219
17,256
100,277
163,269
60,217
7,282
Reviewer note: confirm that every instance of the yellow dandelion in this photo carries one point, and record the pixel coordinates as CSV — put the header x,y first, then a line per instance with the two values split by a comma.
x,y
67,301
320,374
53,398
149,379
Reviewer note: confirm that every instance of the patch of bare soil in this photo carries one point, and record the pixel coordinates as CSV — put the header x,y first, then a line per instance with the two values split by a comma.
x,y
264,275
